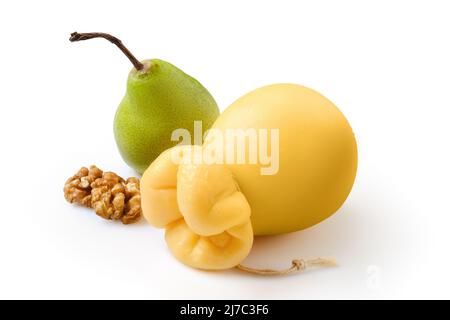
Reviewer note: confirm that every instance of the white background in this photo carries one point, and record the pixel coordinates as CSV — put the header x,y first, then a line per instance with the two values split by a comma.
x,y
386,64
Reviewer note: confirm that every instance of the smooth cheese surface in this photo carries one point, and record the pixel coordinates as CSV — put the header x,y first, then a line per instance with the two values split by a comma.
x,y
317,157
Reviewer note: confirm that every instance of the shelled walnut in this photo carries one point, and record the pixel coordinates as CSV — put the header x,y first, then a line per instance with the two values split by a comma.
x,y
78,188
110,196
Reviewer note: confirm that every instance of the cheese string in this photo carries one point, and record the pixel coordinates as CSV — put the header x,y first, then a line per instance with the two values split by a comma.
x,y
297,265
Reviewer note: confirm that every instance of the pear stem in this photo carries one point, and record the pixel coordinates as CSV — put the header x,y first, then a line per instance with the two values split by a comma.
x,y
75,36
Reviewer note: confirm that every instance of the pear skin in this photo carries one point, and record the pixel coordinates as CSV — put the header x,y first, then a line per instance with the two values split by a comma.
x,y
159,99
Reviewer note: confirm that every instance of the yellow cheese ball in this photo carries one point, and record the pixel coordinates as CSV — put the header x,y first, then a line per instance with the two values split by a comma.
x,y
317,157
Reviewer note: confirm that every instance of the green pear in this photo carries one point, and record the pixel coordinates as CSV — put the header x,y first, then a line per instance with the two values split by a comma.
x,y
159,99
